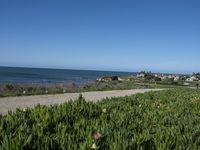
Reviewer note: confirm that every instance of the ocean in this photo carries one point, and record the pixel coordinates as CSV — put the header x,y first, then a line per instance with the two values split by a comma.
x,y
16,75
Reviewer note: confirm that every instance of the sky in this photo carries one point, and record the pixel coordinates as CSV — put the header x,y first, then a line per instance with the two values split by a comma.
x,y
115,35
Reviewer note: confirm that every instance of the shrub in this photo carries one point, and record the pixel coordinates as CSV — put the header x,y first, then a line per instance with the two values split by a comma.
x,y
9,87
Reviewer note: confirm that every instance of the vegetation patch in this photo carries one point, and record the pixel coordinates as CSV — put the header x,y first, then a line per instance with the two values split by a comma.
x,y
160,120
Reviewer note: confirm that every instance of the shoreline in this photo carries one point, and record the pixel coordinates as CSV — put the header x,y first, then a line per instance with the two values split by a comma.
x,y
11,103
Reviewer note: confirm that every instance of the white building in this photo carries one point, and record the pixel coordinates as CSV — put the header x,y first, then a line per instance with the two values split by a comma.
x,y
176,78
141,75
191,79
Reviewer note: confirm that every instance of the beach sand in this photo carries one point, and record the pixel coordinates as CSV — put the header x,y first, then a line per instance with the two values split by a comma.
x,y
11,103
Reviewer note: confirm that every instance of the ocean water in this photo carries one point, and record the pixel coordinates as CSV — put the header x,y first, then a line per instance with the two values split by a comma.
x,y
17,75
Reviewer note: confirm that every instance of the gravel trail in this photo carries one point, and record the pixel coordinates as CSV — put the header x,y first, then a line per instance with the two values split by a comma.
x,y
11,103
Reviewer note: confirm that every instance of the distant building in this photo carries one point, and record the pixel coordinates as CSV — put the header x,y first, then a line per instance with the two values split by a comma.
x,y
163,77
120,79
176,78
170,76
191,79
140,75
107,79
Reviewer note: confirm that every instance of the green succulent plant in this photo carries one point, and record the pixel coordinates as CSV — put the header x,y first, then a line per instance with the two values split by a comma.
x,y
168,119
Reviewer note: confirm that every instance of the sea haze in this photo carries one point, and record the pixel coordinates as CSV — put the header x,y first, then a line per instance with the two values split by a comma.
x,y
16,75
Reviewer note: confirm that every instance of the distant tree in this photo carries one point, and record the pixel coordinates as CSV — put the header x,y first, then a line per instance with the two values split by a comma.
x,y
169,80
197,85
149,76
182,78
142,72
9,87
157,79
197,75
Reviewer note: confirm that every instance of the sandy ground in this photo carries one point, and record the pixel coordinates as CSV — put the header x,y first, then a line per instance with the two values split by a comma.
x,y
11,103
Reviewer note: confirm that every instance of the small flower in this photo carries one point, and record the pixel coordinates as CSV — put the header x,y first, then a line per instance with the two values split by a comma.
x,y
97,136
24,109
140,105
104,110
24,92
94,146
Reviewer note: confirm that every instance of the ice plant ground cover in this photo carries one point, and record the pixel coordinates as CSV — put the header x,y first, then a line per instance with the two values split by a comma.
x,y
168,119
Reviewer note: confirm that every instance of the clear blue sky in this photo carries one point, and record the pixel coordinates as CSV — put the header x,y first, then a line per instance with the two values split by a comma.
x,y
124,35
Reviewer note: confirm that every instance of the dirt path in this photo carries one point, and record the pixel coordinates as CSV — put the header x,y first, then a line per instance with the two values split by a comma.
x,y
11,103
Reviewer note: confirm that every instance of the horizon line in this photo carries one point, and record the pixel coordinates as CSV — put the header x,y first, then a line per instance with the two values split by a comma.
x,y
78,69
